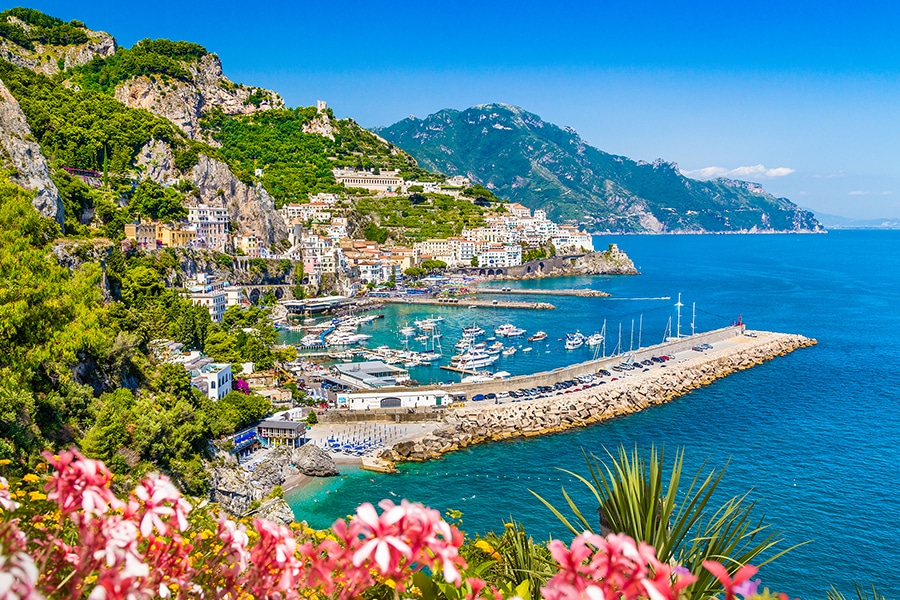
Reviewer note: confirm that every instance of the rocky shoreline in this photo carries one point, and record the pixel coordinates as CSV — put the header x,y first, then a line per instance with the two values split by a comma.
x,y
475,425
242,492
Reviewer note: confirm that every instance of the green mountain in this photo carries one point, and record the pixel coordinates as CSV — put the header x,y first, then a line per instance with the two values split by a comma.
x,y
519,156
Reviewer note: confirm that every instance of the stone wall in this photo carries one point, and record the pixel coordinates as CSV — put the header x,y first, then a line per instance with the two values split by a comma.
x,y
473,425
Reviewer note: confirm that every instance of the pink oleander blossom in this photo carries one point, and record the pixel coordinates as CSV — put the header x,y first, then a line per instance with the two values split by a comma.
x,y
80,483
731,584
382,541
274,568
615,567
405,535
18,571
6,501
234,546
161,502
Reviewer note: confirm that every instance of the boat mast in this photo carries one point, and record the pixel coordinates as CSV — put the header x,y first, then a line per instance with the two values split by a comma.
x,y
619,345
668,332
631,343
603,333
641,330
678,306
693,316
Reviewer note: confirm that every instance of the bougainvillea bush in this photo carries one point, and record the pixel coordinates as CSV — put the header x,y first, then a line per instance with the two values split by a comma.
x,y
64,533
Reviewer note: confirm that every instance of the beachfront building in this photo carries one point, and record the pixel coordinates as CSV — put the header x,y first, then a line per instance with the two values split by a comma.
x,y
282,433
383,181
392,399
211,224
370,374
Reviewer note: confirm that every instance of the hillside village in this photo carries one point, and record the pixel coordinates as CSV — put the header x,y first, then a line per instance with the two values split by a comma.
x,y
319,238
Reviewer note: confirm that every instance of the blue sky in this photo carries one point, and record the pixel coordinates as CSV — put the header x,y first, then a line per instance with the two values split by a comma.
x,y
803,97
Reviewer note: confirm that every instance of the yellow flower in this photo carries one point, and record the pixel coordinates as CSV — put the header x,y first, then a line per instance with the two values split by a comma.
x,y
31,478
391,584
484,547
34,496
4,462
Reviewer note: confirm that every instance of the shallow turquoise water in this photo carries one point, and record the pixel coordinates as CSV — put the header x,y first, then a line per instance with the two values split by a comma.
x,y
815,434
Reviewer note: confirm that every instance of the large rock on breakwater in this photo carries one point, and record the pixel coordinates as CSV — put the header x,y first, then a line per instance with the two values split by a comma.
x,y
313,461
469,426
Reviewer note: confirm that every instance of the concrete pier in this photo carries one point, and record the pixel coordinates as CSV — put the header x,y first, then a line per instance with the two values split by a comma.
x,y
471,303
578,293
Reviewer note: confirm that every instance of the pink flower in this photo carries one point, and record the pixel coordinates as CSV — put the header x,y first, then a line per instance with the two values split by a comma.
x,y
6,502
613,567
18,577
80,482
274,568
234,545
730,585
382,537
161,503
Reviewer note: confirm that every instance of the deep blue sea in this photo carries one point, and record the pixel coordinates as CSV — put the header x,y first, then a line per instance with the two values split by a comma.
x,y
815,435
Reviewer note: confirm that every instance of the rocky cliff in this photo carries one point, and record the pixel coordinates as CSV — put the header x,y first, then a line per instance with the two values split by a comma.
x,y
611,261
184,102
251,208
20,153
239,491
48,58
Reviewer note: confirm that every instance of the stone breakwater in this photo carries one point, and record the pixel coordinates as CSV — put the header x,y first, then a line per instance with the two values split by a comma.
x,y
486,423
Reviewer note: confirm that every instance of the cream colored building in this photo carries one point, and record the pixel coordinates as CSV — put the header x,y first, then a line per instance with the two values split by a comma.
x,y
385,181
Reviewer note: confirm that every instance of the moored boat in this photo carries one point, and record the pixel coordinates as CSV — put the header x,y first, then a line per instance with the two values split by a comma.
x,y
594,340
574,340
538,337
508,330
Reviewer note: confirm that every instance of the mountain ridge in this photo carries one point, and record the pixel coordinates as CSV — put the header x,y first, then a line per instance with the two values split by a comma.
x,y
517,154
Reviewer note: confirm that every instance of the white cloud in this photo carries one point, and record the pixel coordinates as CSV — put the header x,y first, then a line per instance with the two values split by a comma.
x,y
867,193
739,172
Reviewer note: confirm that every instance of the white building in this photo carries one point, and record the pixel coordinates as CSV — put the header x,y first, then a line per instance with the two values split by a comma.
x,y
519,210
570,239
499,255
233,295
212,224
215,379
214,301
393,399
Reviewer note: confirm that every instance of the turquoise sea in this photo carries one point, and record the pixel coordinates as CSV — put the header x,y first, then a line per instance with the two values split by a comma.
x,y
815,435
